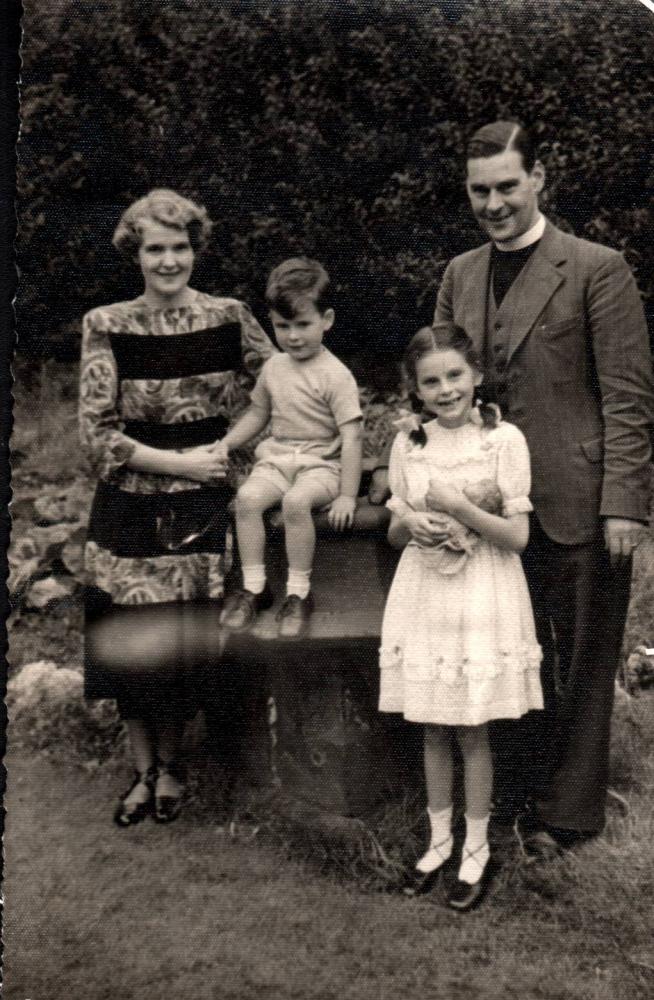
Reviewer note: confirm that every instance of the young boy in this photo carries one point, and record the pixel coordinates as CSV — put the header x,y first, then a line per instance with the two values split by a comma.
x,y
313,457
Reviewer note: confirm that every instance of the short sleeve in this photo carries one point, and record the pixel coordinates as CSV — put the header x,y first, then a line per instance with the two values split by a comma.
x,y
513,470
100,426
397,480
345,404
260,395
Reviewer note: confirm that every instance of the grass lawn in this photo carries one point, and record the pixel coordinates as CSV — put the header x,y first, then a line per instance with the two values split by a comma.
x,y
193,912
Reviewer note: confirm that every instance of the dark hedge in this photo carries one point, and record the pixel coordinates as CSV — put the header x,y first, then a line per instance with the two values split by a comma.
x,y
335,129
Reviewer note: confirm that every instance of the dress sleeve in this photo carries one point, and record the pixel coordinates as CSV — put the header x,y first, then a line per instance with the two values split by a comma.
x,y
101,429
513,470
255,345
397,481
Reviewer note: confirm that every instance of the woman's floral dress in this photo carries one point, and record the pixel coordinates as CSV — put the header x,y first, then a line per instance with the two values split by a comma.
x,y
172,379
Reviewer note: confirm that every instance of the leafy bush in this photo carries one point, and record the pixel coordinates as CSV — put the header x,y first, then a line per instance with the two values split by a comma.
x,y
336,129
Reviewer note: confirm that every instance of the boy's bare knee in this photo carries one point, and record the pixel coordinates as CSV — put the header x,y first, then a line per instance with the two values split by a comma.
x,y
297,505
250,500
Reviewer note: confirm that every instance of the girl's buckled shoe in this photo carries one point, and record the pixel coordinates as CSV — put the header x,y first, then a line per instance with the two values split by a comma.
x,y
464,896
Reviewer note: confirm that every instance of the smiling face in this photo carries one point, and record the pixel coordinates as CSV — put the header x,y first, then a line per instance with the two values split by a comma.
x,y
166,260
503,196
446,384
301,336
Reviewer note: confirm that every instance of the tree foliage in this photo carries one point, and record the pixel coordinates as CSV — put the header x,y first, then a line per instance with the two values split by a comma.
x,y
331,128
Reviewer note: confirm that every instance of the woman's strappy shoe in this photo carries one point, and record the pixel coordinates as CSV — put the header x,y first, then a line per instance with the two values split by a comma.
x,y
168,807
129,814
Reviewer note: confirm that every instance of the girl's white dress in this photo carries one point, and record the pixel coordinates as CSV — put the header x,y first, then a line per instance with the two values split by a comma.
x,y
460,648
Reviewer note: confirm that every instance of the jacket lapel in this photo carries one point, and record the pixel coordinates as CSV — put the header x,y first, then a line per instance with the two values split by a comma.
x,y
472,315
540,278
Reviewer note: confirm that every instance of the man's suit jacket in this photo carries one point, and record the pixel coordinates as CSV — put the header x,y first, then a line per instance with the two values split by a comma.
x,y
579,377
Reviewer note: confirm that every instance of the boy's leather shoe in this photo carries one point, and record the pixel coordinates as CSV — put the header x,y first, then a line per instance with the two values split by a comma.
x,y
242,608
293,616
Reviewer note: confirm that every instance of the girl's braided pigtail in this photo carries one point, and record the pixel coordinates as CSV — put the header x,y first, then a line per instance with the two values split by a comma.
x,y
418,436
489,412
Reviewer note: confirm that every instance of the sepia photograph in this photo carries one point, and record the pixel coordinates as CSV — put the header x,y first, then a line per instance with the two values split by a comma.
x,y
330,665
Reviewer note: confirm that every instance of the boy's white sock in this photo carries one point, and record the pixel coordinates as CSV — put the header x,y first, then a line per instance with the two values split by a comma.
x,y
254,578
298,582
475,850
440,844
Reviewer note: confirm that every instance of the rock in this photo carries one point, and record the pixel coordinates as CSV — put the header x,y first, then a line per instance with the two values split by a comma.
x,y
72,554
21,573
51,510
51,540
22,548
622,697
48,591
21,507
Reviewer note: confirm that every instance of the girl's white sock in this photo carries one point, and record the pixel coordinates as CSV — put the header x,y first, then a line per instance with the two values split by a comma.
x,y
440,845
475,850
298,582
254,578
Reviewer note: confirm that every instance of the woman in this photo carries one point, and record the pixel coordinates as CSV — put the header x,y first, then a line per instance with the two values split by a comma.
x,y
160,377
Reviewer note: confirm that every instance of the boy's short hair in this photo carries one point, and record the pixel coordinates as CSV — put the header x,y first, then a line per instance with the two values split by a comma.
x,y
297,278
500,137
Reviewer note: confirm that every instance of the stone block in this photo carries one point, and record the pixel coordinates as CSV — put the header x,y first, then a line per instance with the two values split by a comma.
x,y
329,745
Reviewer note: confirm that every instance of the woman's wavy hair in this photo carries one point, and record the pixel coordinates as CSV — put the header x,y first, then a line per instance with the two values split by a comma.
x,y
442,336
168,209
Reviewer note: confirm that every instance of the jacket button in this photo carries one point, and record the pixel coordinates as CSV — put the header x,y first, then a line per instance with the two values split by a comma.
x,y
497,324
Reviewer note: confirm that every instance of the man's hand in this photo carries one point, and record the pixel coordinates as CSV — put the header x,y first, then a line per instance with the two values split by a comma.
x,y
621,536
341,513
379,491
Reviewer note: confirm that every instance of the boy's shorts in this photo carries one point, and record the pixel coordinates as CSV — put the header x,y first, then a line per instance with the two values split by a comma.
x,y
284,465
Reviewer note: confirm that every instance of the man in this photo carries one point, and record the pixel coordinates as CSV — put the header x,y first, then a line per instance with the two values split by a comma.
x,y
560,325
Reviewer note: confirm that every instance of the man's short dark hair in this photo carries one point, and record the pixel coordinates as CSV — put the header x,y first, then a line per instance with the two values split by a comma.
x,y
499,137
295,279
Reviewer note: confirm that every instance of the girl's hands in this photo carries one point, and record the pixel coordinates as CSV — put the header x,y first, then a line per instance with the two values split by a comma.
x,y
444,497
203,464
341,512
425,528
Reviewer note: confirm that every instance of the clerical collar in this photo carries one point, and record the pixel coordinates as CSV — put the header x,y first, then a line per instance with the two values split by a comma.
x,y
526,239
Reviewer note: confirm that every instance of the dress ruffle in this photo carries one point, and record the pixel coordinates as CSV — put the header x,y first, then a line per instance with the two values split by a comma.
x,y
456,672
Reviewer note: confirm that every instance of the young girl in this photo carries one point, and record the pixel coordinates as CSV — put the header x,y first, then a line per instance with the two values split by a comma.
x,y
458,639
